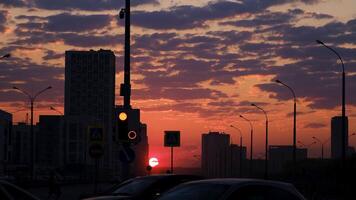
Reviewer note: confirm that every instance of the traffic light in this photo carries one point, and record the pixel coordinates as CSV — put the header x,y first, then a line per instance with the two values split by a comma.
x,y
127,126
123,126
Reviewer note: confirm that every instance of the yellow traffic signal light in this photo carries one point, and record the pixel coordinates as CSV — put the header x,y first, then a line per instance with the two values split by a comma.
x,y
122,116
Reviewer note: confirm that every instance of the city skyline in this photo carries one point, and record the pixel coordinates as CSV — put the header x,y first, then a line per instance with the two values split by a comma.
x,y
191,77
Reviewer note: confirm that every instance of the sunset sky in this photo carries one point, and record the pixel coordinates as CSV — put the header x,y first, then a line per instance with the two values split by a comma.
x,y
196,64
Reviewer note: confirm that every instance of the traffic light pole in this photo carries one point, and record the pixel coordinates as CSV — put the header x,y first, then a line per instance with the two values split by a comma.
x,y
172,160
127,85
96,175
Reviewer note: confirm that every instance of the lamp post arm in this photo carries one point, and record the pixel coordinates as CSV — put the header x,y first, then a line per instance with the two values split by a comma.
x,y
40,92
24,93
337,54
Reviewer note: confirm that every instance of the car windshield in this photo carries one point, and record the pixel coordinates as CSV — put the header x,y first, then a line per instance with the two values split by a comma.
x,y
134,187
196,191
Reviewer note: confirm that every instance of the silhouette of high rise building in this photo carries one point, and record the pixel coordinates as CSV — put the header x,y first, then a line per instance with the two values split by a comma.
x,y
50,141
235,152
89,95
336,136
21,143
90,84
280,155
5,139
215,154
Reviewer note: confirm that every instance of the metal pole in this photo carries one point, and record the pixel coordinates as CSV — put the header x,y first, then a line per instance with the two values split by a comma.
x,y
127,79
241,156
343,109
251,146
32,139
231,160
251,150
32,151
344,135
295,133
171,160
96,175
266,152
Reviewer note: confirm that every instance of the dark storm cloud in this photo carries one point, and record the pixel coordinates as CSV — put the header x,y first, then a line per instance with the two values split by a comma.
x,y
13,3
174,64
66,22
225,103
89,5
3,20
313,80
52,55
291,114
187,17
32,34
30,77
315,125
89,40
177,94
267,18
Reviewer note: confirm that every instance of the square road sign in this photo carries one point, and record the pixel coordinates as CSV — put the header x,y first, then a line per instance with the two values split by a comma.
x,y
171,138
96,134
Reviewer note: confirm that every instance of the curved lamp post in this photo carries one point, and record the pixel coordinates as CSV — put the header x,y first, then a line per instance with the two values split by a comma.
x,y
32,99
305,145
251,143
266,145
343,109
322,145
240,147
294,122
5,56
55,110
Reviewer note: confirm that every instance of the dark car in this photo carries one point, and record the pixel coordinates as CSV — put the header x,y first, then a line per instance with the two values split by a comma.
x,y
9,191
233,189
145,188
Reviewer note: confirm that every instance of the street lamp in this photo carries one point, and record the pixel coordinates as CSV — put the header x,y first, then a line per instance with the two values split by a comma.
x,y
32,99
251,143
294,122
301,144
5,56
240,147
343,109
266,145
56,110
322,145
306,145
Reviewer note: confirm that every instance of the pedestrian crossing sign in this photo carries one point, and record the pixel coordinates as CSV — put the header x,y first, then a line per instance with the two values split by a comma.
x,y
172,138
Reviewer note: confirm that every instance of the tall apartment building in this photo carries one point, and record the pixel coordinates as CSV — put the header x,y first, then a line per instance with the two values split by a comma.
x,y
336,136
5,139
21,143
90,93
235,152
215,154
50,142
281,155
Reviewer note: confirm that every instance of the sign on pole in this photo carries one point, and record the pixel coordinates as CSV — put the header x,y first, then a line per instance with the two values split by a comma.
x,y
96,139
171,138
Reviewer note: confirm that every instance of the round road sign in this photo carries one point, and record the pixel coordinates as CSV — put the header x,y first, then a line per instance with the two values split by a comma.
x,y
96,150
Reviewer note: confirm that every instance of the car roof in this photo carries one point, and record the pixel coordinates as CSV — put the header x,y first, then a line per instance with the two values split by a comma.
x,y
167,176
242,181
